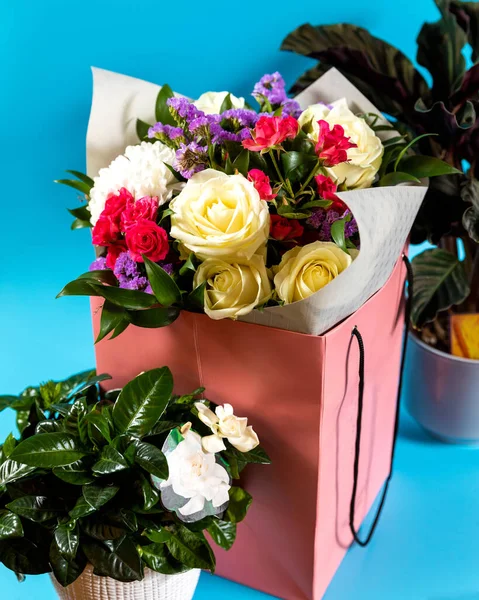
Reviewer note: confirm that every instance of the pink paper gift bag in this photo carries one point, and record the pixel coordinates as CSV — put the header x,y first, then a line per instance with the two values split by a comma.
x,y
301,394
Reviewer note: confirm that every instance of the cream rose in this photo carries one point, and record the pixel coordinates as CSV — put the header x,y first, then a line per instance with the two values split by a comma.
x,y
211,102
304,271
220,216
365,160
233,289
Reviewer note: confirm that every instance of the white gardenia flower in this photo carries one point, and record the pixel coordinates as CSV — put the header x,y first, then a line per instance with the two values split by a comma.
x,y
196,475
210,102
141,170
363,161
224,424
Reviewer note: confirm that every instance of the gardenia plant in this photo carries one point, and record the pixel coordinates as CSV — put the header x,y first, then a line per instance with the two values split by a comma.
x,y
124,480
224,209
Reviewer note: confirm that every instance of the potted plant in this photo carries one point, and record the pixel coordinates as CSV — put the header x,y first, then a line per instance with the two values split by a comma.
x,y
114,492
442,374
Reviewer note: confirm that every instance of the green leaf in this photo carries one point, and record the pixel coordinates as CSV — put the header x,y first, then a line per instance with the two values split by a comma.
x,y
10,525
255,456
9,445
163,286
440,46
223,533
82,213
5,401
227,104
287,213
122,564
11,471
337,233
20,555
150,496
409,145
99,276
396,177
470,220
440,281
79,224
99,527
142,129
66,570
82,177
77,185
151,459
154,317
162,111
241,162
142,401
426,166
131,299
316,204
81,509
191,549
157,558
22,420
36,508
111,461
197,297
238,506
111,317
48,450
98,422
188,266
98,495
47,427
298,165
159,536
79,287
78,473
67,538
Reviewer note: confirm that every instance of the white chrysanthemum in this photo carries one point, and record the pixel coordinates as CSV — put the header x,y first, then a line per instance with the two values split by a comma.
x,y
141,170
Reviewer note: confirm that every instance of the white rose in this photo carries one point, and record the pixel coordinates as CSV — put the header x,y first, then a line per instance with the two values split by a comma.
x,y
141,170
365,160
304,271
224,424
195,475
233,289
210,102
220,216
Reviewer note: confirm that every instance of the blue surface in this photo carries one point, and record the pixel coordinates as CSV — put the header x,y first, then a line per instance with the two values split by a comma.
x,y
426,545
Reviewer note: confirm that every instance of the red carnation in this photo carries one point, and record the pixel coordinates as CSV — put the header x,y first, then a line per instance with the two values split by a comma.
x,y
332,147
107,228
147,238
283,229
143,208
262,184
270,132
114,251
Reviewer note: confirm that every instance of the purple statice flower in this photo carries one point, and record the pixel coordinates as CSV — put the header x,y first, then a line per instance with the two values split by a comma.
x,y
322,220
168,267
128,275
291,108
272,87
241,117
191,158
172,133
204,125
99,264
183,109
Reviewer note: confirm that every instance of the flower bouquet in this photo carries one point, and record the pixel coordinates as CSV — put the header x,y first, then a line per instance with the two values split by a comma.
x,y
113,493
247,249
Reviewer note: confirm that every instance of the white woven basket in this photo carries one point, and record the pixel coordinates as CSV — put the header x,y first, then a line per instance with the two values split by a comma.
x,y
154,586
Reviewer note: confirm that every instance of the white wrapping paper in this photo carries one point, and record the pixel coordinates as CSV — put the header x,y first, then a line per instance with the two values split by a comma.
x,y
384,215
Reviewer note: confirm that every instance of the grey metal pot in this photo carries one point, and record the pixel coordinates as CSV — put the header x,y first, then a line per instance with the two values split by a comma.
x,y
441,392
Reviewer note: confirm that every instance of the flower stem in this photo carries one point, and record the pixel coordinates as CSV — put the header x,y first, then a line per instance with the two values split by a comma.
x,y
286,182
311,175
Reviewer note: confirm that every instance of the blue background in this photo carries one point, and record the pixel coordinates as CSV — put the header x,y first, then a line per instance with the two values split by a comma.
x,y
426,545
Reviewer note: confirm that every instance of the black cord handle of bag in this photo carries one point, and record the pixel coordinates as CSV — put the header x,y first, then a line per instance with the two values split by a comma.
x,y
355,333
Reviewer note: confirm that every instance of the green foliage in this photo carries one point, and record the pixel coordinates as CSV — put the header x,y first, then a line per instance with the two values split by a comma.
x,y
77,485
439,282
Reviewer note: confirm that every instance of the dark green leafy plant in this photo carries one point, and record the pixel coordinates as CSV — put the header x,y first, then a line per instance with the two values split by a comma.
x,y
448,111
76,486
